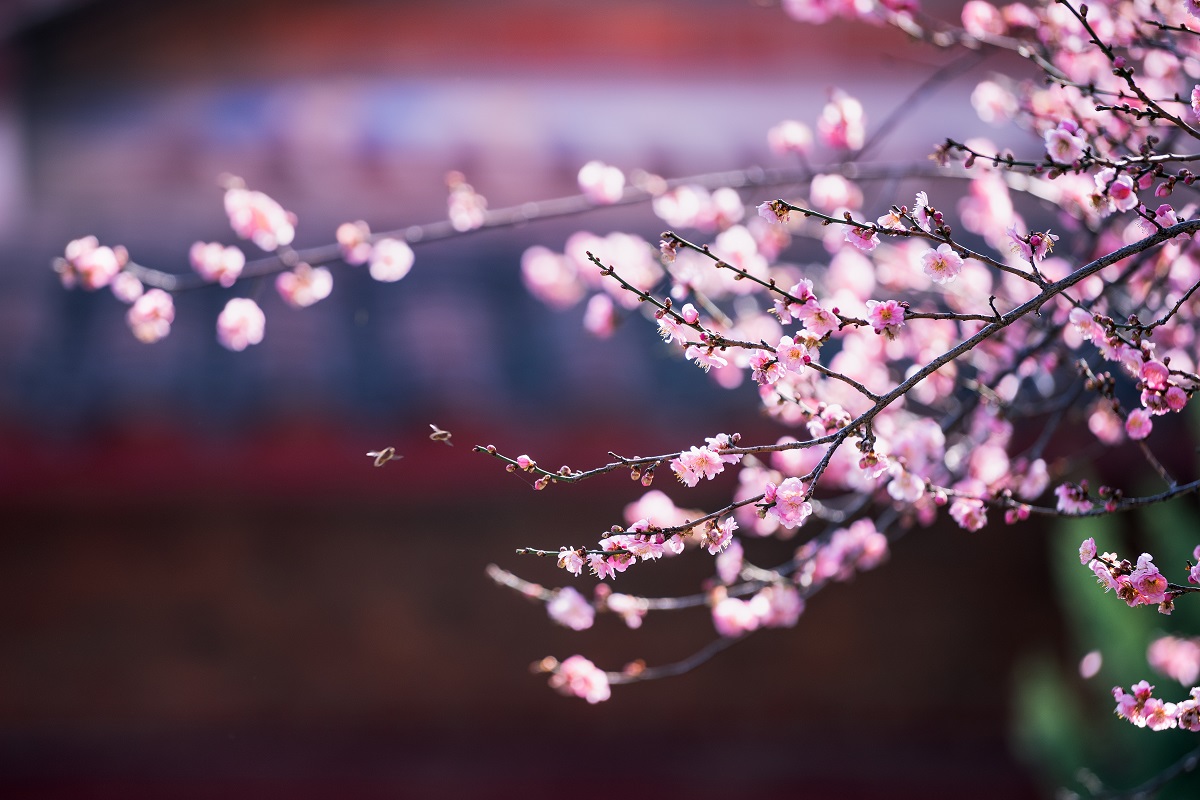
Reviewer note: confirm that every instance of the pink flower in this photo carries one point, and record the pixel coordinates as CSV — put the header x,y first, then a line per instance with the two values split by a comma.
x,y
1121,192
729,561
1138,424
733,617
765,367
1087,550
864,239
842,123
569,608
886,316
817,318
89,264
792,355
981,19
304,285
601,183
1159,715
1196,100
1155,375
774,211
255,216
629,608
719,535
599,318
1176,658
391,259
790,136
778,605
671,329
571,560
689,313
217,263
1072,499
465,207
354,241
240,324
125,287
705,357
969,513
151,315
942,265
697,463
1064,146
579,677
791,504
1150,584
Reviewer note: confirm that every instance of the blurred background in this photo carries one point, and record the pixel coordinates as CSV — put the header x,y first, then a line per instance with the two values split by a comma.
x,y
206,587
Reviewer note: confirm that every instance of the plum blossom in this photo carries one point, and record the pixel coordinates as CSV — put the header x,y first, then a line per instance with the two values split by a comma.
x,y
705,357
865,239
817,319
571,560
568,608
790,502
465,207
580,677
240,324
391,259
1064,145
151,315
842,123
886,316
217,263
255,216
941,265
765,367
1087,550
790,136
304,285
774,211
792,355
969,513
89,264
719,535
699,462
1120,189
354,242
601,183
1138,424
733,617
1177,658
1072,499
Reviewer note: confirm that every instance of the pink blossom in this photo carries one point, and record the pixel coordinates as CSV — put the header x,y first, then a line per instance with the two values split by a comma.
x,y
865,239
1155,375
906,487
601,183
466,208
671,329
599,318
151,315
1196,100
705,357
817,318
791,505
942,265
125,287
792,354
922,212
391,259
1072,499
240,324
733,617
790,136
568,608
765,367
729,561
629,608
571,560
1149,583
719,535
778,605
1119,189
304,285
689,314
1176,398
1089,665
842,123
89,264
1138,424
1103,575
1087,550
602,566
774,211
699,462
1064,146
1175,657
354,241
831,193
255,216
886,316
1159,716
579,677
969,513
981,19
217,263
